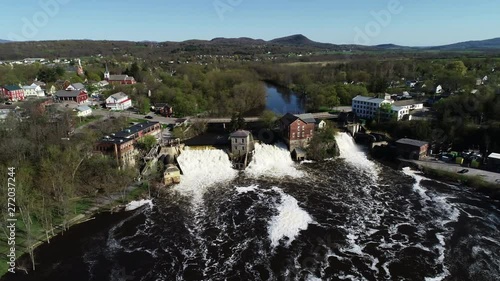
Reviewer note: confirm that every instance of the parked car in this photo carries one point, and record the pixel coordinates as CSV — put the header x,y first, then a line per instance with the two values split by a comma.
x,y
148,117
463,171
8,103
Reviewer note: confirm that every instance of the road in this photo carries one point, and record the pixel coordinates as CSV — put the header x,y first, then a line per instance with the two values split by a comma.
x,y
164,120
490,177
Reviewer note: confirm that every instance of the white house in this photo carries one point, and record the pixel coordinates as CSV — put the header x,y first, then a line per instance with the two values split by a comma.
x,y
33,90
101,84
118,101
439,89
400,112
409,104
83,111
76,87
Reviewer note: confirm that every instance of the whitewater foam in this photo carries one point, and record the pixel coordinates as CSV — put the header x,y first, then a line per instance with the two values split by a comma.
x,y
291,219
137,204
202,169
272,161
243,190
353,154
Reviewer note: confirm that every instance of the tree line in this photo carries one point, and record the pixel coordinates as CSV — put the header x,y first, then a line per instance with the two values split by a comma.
x,y
54,171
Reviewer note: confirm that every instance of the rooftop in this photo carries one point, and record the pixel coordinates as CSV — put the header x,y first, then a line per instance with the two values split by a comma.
x,y
406,102
12,87
135,129
64,93
240,134
119,96
412,142
494,156
83,108
368,99
307,117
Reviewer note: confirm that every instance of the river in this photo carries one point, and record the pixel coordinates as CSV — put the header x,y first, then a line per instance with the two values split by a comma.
x,y
344,219
281,100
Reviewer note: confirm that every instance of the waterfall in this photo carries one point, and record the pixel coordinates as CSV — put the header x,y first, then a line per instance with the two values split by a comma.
x,y
353,154
202,169
272,161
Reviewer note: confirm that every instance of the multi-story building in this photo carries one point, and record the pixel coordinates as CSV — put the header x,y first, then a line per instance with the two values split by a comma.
x,y
297,130
118,101
121,145
241,142
371,108
12,93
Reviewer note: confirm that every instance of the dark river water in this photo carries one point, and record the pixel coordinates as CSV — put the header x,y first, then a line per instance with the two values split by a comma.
x,y
281,100
343,219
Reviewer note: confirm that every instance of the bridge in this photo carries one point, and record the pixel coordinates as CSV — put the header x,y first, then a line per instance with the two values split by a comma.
x,y
318,115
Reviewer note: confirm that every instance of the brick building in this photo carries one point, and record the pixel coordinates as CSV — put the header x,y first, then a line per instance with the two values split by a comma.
x,y
121,145
297,130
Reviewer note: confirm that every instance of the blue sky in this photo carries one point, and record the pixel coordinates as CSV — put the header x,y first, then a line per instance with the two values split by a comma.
x,y
415,23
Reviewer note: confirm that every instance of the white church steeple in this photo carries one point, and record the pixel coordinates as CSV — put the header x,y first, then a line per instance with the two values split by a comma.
x,y
106,73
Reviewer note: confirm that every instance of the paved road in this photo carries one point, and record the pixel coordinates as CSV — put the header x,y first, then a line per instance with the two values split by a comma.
x,y
164,120
454,168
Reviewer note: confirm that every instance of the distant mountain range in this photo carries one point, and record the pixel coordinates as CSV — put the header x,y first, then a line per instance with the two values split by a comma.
x,y
297,43
300,40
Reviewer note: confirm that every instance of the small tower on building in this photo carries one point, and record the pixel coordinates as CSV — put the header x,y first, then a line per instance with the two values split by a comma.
x,y
106,73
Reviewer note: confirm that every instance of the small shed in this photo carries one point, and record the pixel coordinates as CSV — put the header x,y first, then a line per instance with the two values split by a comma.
x,y
299,154
172,175
83,111
412,149
494,162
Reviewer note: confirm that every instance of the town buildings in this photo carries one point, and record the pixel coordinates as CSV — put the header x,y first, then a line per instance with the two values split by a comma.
x,y
33,90
83,111
118,101
118,79
121,145
412,149
76,87
72,96
241,143
494,162
164,109
12,93
374,108
297,130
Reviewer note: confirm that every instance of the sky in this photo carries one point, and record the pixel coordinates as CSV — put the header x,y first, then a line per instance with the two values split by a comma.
x,y
366,22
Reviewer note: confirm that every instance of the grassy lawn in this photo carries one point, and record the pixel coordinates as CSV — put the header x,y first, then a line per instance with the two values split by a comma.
x,y
136,120
87,120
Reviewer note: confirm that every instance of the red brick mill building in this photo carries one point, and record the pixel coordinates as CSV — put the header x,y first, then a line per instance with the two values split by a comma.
x,y
121,145
297,130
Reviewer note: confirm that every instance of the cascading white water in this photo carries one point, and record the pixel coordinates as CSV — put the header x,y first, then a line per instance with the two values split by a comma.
x,y
353,154
202,169
289,221
272,161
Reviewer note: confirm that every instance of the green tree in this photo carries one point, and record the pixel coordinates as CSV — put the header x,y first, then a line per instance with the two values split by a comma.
x,y
237,122
147,143
268,118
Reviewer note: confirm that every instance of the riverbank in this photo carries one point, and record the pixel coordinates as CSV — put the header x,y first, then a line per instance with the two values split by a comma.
x,y
86,210
477,179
